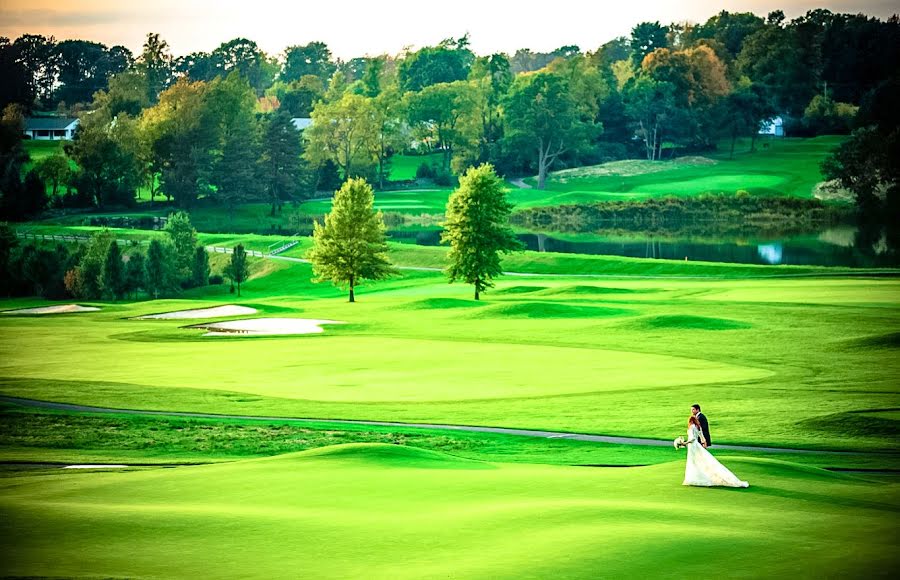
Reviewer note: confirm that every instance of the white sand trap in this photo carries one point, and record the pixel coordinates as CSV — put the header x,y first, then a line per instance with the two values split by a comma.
x,y
214,312
92,466
61,309
266,326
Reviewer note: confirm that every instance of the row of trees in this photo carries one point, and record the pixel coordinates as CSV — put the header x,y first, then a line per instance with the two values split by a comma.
x,y
218,125
102,269
350,246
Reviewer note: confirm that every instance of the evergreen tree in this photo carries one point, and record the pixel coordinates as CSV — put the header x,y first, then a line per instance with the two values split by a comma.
x,y
476,228
281,160
235,174
158,269
113,276
135,273
350,246
200,267
184,239
238,270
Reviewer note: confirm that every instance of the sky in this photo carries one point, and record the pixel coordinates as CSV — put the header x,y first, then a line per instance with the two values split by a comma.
x,y
370,27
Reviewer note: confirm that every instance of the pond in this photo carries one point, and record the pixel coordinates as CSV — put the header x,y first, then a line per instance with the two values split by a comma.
x,y
846,246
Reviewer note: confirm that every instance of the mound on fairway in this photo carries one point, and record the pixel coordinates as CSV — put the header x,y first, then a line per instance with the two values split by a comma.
x,y
687,322
438,303
520,289
587,290
382,512
60,309
548,310
214,312
388,455
266,326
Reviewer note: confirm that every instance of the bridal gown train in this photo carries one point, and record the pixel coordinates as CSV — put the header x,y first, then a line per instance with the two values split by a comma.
x,y
703,469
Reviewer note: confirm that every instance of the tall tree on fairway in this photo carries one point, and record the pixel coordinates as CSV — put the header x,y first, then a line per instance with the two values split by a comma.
x,y
477,230
238,269
350,246
135,273
281,159
200,267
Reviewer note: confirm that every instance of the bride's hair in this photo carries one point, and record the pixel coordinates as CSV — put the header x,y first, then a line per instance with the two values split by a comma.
x,y
692,420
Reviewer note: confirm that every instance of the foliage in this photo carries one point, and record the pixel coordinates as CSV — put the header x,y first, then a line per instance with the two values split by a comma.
x,y
476,229
344,132
160,270
112,277
350,247
313,59
542,118
238,269
448,62
281,168
200,268
183,239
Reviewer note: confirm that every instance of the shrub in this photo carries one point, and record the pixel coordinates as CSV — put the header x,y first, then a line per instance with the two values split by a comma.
x,y
216,280
425,171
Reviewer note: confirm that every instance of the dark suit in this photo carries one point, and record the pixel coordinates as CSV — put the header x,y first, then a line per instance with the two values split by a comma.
x,y
704,426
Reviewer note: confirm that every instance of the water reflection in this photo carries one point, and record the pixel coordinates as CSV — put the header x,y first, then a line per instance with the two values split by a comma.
x,y
771,253
836,246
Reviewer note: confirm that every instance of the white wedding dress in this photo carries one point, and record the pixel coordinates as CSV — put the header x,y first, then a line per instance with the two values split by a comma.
x,y
703,469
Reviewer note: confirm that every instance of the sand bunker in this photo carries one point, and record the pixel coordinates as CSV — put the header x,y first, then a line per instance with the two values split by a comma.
x,y
265,326
214,312
60,309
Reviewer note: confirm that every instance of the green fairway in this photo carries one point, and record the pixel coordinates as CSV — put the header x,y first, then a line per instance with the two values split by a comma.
x,y
392,512
784,167
614,356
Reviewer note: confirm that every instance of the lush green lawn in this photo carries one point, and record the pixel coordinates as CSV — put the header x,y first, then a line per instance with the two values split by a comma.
x,y
783,167
615,356
375,510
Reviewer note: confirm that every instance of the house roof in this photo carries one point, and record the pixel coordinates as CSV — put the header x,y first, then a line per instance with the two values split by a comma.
x,y
49,123
301,123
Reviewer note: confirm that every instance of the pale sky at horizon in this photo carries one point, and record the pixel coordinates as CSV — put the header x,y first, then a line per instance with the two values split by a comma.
x,y
357,28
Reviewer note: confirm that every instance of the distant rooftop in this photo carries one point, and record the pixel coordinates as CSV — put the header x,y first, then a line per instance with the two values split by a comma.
x,y
48,123
301,123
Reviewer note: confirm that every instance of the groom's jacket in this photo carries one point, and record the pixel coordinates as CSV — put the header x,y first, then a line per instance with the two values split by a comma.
x,y
704,426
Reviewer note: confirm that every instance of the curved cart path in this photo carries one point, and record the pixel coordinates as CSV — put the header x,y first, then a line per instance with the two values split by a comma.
x,y
435,426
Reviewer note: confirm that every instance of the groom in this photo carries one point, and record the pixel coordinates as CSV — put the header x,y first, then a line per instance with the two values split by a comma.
x,y
704,424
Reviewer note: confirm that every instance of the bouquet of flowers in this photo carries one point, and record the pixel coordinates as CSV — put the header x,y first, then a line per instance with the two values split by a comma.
x,y
679,443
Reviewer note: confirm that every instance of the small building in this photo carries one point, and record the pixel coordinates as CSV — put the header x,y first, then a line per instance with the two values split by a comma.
x,y
50,128
773,127
301,123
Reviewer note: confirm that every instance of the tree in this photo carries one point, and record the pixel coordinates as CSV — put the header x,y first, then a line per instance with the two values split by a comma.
x,y
182,136
235,173
238,270
135,273
645,38
310,59
159,272
477,230
350,247
155,63
651,106
85,68
298,98
541,118
200,267
89,270
183,238
445,63
37,55
251,63
345,132
388,129
113,275
8,243
436,111
106,150
54,169
742,111
281,159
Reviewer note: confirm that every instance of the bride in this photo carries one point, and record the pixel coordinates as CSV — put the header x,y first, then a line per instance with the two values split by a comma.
x,y
702,468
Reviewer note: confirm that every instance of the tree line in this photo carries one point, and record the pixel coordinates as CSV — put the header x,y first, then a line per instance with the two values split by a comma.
x,y
217,125
102,269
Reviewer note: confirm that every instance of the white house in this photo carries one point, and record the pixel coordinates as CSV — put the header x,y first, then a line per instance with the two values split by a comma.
x,y
50,128
773,126
301,123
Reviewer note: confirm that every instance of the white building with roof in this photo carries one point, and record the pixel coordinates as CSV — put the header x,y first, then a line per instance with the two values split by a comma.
x,y
50,128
